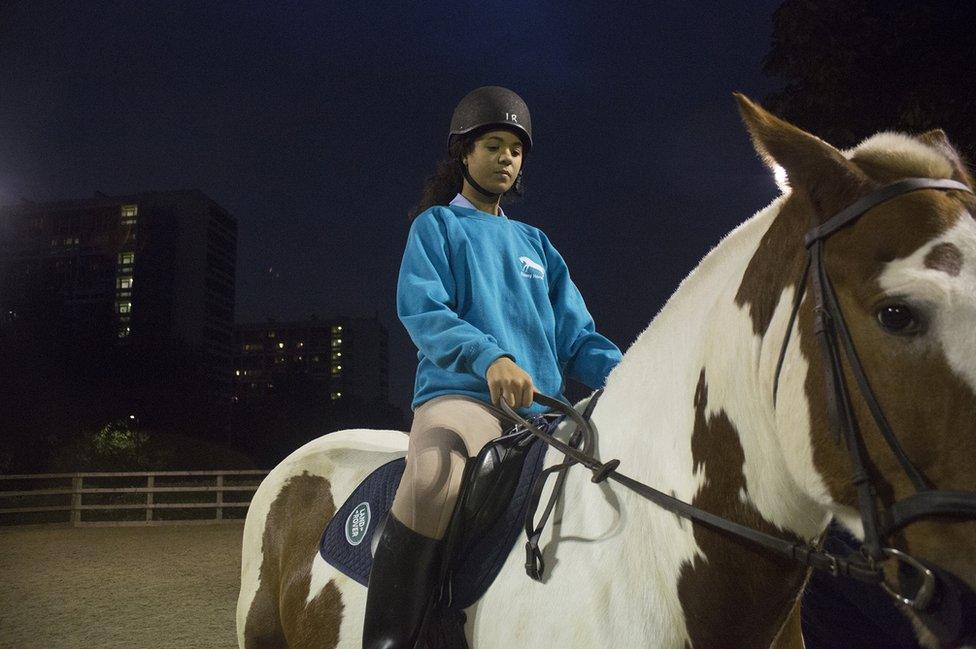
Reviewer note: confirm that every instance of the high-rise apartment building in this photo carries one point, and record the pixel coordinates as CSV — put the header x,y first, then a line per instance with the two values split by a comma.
x,y
151,272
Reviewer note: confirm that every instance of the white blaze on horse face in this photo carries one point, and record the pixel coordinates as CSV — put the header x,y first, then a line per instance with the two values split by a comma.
x,y
947,301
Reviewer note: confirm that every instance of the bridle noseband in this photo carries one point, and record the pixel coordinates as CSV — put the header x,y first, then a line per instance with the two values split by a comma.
x,y
879,525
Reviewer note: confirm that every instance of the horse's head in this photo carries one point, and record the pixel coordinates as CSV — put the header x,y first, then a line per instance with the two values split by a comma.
x,y
904,274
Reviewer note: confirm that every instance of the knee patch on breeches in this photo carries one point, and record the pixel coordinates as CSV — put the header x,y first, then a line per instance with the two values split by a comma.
x,y
431,481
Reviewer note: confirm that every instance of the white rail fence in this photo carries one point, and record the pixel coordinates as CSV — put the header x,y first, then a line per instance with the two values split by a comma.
x,y
117,498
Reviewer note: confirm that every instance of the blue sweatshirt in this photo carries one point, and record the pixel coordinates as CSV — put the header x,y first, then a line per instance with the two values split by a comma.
x,y
474,287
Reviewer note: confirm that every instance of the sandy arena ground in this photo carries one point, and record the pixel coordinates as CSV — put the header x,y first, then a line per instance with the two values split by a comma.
x,y
134,587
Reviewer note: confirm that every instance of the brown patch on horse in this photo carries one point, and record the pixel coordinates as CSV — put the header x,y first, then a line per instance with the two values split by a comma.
x,y
279,616
945,257
763,585
776,264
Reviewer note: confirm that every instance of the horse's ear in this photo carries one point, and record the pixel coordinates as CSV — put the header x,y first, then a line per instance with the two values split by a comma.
x,y
811,165
937,139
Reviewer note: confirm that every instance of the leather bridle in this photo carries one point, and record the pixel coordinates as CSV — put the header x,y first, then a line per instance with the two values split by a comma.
x,y
829,326
931,598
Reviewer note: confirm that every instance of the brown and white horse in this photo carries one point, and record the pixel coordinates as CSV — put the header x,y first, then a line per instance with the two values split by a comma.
x,y
689,411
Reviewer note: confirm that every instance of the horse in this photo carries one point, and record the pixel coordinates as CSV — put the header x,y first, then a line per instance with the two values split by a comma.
x,y
690,411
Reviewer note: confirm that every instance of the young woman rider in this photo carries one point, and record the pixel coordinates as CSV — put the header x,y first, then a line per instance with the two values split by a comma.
x,y
490,305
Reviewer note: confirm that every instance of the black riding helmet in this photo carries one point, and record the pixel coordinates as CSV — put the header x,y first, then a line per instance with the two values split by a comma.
x,y
489,106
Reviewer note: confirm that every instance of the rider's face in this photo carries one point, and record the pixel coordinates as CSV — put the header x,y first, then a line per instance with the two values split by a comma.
x,y
493,153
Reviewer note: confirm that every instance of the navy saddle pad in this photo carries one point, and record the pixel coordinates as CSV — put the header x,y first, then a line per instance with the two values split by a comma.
x,y
347,540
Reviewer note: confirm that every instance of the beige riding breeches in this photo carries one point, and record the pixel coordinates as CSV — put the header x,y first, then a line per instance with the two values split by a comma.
x,y
446,431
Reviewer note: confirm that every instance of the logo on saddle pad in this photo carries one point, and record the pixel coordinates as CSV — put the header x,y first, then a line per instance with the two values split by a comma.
x,y
357,523
531,268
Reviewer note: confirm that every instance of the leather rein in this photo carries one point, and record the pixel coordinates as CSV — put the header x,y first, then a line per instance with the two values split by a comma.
x,y
879,524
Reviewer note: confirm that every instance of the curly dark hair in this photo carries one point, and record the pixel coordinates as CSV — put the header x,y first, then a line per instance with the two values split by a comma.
x,y
447,180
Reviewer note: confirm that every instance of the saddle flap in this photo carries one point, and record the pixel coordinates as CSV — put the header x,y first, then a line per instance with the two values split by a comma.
x,y
492,479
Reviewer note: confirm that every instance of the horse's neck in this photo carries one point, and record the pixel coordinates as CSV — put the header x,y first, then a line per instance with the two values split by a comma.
x,y
689,411
697,382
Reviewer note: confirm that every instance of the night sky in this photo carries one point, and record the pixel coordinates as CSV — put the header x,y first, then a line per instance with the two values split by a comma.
x,y
316,123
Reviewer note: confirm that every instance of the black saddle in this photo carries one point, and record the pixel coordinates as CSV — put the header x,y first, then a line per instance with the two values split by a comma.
x,y
489,484
486,521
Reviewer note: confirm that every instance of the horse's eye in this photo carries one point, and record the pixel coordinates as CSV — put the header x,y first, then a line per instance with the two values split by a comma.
x,y
898,319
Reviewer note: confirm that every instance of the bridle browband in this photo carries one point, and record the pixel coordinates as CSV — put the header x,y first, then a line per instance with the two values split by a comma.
x,y
878,525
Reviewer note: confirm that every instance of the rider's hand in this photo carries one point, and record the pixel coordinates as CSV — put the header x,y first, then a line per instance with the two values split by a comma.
x,y
508,380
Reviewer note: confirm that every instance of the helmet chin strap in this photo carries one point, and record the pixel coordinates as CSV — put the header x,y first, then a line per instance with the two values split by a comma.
x,y
478,188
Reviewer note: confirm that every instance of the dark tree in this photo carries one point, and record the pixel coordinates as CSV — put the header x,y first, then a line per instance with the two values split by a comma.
x,y
853,68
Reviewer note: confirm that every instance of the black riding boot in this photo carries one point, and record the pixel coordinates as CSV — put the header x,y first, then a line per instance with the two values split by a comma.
x,y
401,583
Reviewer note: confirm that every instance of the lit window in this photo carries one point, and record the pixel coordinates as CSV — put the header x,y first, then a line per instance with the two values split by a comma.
x,y
125,307
125,281
238,373
123,332
126,258
299,344
336,342
336,370
336,395
271,334
336,355
281,345
129,211
337,329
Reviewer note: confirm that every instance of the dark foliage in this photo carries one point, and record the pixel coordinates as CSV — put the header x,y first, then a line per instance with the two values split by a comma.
x,y
854,68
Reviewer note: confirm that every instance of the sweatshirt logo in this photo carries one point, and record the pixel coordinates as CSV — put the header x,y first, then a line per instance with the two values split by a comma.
x,y
531,268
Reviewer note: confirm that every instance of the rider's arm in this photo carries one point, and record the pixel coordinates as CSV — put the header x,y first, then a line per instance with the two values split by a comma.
x,y
426,304
588,356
